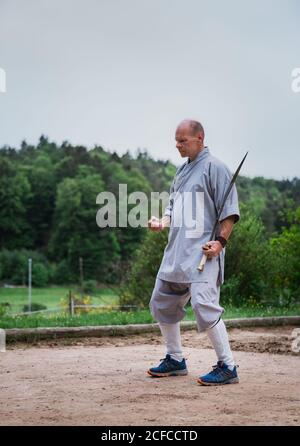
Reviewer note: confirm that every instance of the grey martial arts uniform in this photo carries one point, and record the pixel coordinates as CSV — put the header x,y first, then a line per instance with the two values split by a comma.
x,y
203,182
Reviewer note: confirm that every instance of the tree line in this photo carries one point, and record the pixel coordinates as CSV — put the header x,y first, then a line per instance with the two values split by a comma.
x,y
48,209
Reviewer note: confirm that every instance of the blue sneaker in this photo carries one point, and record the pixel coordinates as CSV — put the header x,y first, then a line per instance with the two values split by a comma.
x,y
220,375
169,367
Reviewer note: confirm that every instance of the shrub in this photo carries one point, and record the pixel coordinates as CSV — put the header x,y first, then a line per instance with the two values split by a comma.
x,y
34,307
39,275
77,300
14,267
61,273
249,270
139,281
286,258
4,308
89,286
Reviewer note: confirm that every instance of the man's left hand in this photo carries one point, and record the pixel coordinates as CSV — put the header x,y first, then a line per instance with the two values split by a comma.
x,y
212,248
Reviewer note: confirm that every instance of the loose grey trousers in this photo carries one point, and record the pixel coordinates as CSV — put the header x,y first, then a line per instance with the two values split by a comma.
x,y
169,299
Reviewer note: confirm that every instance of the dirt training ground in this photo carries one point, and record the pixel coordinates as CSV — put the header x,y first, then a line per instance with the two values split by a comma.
x,y
103,381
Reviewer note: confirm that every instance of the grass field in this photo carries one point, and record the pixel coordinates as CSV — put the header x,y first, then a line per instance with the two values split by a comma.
x,y
130,317
51,297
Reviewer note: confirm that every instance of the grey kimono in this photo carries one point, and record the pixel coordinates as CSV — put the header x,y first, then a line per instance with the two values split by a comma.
x,y
196,195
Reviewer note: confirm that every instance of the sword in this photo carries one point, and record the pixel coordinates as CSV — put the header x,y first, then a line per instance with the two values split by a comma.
x,y
213,232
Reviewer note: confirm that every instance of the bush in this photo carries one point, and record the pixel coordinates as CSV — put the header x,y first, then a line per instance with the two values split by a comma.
x,y
139,281
34,307
89,286
39,275
77,300
14,267
286,259
249,269
61,273
4,308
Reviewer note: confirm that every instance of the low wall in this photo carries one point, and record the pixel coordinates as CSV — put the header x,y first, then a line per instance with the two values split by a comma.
x,y
33,334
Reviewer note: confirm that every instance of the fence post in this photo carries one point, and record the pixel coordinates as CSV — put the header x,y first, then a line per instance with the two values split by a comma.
x,y
29,283
71,304
81,275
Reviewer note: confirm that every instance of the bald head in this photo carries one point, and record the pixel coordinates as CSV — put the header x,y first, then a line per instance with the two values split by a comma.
x,y
189,138
194,127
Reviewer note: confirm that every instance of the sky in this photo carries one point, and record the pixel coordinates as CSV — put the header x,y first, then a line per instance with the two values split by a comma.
x,y
123,73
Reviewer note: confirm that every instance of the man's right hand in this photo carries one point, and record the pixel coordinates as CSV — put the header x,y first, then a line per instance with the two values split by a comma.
x,y
155,224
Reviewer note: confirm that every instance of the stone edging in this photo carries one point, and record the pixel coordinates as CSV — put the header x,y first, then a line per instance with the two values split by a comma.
x,y
34,334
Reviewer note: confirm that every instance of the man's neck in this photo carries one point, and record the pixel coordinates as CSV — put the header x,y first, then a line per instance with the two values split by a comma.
x,y
195,156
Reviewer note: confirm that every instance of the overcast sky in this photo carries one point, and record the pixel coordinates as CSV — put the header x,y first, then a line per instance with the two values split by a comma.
x,y
123,73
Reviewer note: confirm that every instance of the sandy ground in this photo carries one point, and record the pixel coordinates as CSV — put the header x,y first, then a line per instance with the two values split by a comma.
x,y
103,381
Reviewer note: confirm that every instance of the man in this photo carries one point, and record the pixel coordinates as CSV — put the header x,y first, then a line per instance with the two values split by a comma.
x,y
203,179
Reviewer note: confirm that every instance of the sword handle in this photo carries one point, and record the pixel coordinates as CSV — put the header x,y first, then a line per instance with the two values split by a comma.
x,y
202,263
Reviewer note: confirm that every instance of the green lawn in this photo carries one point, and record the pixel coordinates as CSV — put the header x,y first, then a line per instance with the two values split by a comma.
x,y
51,297
129,317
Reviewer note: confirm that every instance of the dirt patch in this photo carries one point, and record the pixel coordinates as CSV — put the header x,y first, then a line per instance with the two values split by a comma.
x,y
261,340
103,381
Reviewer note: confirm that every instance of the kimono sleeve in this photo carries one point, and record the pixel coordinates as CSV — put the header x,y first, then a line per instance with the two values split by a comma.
x,y
169,208
220,177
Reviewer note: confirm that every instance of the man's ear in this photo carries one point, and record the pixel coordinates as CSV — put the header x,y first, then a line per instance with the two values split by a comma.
x,y
201,137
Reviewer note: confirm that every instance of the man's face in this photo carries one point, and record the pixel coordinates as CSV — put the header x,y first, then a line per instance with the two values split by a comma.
x,y
187,143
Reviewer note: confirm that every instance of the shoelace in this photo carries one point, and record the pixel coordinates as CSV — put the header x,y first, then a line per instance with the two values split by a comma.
x,y
164,362
165,359
219,371
216,370
168,359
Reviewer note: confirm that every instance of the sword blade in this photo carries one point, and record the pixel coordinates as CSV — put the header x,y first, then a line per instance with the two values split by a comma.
x,y
213,232
234,177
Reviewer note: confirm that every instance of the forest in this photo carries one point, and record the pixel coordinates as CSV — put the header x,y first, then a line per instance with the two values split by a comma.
x,y
48,213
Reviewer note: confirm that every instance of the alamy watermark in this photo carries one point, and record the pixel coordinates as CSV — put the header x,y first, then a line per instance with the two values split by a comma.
x,y
296,342
2,81
2,341
296,80
134,210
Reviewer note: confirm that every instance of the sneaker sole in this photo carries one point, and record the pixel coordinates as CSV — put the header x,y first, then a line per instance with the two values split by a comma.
x,y
164,375
229,381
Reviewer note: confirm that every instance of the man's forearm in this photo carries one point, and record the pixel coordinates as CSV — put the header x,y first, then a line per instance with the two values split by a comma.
x,y
226,227
165,221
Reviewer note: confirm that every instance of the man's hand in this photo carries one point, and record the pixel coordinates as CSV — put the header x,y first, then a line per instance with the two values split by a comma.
x,y
156,225
212,248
